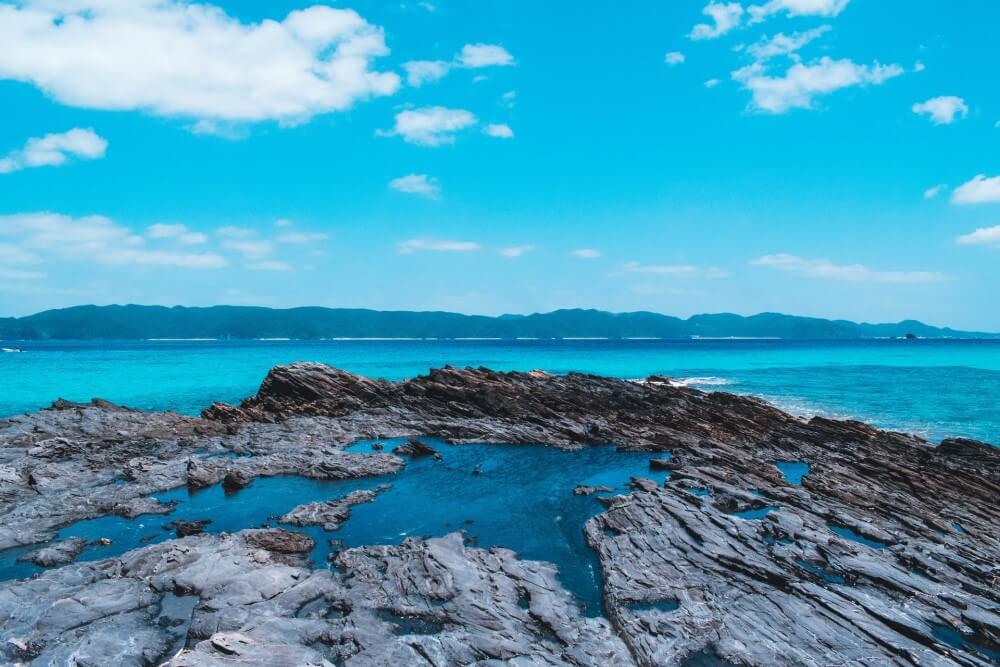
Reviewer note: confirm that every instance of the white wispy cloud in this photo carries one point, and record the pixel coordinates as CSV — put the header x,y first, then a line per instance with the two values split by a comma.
x,y
663,269
586,253
979,190
472,56
178,58
934,191
417,184
802,83
853,273
516,250
499,130
824,8
53,150
269,265
234,232
250,248
674,58
430,126
509,98
95,238
943,110
783,45
301,238
982,236
178,232
416,245
712,83
725,17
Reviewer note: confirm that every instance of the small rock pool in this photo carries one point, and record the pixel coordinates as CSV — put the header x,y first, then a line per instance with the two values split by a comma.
x,y
522,498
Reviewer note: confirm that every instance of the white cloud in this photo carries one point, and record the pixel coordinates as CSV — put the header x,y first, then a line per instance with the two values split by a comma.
x,y
415,245
854,273
782,44
510,97
943,110
516,250
283,223
417,184
499,130
712,83
233,232
301,238
178,58
802,83
472,56
663,269
53,150
725,17
932,192
250,248
178,232
430,126
20,274
484,55
674,58
269,265
586,253
93,238
980,190
982,236
826,8
419,72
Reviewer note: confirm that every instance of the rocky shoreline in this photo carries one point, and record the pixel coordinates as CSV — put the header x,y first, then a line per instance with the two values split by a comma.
x,y
887,553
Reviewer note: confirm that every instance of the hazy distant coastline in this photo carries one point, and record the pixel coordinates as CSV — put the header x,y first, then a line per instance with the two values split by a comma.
x,y
134,322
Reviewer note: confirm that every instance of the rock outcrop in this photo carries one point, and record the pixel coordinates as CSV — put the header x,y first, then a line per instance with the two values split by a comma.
x,y
887,553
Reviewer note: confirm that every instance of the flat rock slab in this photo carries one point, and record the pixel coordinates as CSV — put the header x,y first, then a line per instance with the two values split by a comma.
x,y
56,553
330,514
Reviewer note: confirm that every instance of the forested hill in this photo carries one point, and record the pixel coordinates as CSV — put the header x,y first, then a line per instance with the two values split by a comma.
x,y
241,322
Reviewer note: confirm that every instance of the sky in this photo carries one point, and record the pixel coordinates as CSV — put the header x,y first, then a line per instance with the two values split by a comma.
x,y
830,158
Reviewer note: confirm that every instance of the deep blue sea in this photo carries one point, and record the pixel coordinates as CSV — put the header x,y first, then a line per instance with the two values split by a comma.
x,y
935,388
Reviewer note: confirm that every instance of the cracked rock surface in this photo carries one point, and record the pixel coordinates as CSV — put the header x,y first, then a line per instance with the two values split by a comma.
x,y
887,553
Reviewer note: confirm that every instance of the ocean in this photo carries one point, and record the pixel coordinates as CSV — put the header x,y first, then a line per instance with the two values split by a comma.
x,y
934,388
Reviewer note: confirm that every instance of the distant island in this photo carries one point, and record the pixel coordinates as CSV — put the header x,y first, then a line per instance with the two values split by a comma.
x,y
134,322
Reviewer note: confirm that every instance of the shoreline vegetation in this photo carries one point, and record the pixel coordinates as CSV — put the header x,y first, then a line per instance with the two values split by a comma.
x,y
178,323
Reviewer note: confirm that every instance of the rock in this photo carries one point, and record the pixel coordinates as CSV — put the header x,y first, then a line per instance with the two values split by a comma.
x,y
377,447
235,480
477,470
57,553
415,448
330,514
642,484
185,528
280,541
134,507
103,542
200,475
583,490
659,464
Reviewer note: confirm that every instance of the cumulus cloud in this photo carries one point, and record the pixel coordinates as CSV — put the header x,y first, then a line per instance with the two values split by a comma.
x,y
934,191
802,83
980,190
586,253
416,245
982,236
825,8
178,58
177,231
725,17
430,126
53,150
499,130
516,250
95,238
943,110
417,184
250,248
472,56
674,58
484,55
853,273
783,45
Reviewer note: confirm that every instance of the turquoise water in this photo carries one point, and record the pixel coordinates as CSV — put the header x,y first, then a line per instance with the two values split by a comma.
x,y
934,388
521,499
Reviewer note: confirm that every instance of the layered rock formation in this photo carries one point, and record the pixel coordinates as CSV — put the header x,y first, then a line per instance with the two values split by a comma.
x,y
887,553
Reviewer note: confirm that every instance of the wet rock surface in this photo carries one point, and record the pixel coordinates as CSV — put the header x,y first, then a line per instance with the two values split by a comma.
x,y
886,554
329,514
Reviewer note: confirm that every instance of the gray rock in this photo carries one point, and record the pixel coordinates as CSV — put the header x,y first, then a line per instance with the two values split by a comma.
x,y
56,553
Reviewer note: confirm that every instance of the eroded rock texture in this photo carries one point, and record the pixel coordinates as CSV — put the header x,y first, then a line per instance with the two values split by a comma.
x,y
886,554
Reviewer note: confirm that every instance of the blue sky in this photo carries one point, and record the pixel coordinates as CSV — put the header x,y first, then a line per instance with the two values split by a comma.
x,y
836,158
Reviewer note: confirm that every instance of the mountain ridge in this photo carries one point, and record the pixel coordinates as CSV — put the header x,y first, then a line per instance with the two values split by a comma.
x,y
135,322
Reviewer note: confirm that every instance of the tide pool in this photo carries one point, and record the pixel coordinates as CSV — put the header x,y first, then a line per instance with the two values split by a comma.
x,y
935,388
